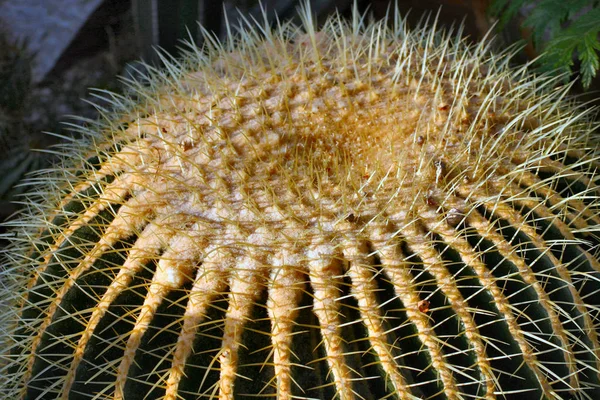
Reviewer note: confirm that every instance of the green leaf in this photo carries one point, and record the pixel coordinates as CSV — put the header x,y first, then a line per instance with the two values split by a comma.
x,y
564,29
546,17
505,10
581,36
588,54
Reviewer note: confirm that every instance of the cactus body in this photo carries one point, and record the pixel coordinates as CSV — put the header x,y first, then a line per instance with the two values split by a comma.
x,y
360,212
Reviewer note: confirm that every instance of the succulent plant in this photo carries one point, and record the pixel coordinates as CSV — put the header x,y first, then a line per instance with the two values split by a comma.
x,y
357,212
15,73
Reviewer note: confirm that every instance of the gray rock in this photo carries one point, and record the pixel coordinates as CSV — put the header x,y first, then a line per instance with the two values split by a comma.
x,y
48,26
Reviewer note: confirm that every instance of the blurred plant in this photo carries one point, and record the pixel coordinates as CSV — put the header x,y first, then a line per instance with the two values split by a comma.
x,y
562,31
15,89
161,24
164,25
15,73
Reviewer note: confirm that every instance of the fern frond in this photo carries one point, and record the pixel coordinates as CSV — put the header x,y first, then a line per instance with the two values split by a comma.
x,y
563,30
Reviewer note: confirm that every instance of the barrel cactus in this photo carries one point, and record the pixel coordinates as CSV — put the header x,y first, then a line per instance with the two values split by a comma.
x,y
360,211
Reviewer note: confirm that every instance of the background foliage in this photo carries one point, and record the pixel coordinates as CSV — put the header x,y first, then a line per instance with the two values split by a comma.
x,y
564,32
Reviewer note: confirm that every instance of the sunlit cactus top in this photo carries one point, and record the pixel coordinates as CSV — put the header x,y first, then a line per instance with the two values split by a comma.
x,y
359,211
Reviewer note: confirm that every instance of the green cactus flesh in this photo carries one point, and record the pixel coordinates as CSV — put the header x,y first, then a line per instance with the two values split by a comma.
x,y
356,212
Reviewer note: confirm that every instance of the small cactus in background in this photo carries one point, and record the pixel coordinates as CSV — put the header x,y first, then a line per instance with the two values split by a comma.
x,y
360,211
16,157
15,73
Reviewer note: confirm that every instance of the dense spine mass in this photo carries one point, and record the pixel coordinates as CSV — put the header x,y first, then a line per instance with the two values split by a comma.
x,y
360,211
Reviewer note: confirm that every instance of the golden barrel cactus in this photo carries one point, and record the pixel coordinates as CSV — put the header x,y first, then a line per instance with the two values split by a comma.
x,y
355,212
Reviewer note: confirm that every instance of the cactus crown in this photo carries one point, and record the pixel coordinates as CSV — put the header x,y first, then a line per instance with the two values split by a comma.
x,y
360,211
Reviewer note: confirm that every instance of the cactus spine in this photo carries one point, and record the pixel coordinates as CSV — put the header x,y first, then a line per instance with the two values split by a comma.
x,y
360,211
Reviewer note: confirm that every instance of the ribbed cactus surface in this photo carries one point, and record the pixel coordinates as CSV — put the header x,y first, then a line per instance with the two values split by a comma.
x,y
355,212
